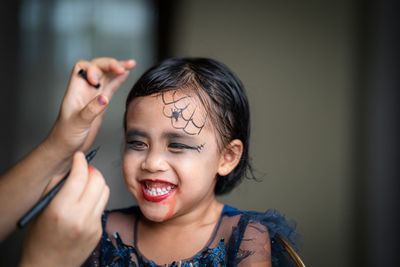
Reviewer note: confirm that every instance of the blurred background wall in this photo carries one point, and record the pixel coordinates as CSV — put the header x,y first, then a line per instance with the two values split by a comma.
x,y
322,80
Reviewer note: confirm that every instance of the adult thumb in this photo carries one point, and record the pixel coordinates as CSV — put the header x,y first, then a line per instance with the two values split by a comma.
x,y
78,177
93,109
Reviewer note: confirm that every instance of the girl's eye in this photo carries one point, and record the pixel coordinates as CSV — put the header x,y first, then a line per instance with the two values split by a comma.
x,y
177,147
137,145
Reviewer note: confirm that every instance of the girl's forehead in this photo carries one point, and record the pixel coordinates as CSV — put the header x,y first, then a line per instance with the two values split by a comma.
x,y
183,109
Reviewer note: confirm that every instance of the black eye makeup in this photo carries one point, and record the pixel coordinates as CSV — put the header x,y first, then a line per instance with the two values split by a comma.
x,y
178,147
175,142
136,145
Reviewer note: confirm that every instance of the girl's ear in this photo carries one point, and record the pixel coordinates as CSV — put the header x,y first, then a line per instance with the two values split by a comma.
x,y
230,157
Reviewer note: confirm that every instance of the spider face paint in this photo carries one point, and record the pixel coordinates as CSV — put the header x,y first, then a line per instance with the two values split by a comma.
x,y
170,203
183,112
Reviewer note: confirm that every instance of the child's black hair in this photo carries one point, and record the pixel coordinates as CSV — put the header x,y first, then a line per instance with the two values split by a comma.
x,y
222,94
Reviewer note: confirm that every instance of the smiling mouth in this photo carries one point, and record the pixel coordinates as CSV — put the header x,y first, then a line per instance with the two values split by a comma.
x,y
156,191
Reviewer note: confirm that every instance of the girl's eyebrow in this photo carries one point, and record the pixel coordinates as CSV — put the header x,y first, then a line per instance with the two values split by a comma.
x,y
175,135
172,135
136,132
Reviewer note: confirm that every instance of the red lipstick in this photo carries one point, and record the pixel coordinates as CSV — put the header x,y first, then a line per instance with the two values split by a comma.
x,y
157,190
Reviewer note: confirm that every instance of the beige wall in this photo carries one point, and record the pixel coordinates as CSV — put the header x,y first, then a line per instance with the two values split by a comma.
x,y
295,58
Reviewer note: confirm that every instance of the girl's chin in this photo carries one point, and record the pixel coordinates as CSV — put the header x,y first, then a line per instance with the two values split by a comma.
x,y
155,214
156,219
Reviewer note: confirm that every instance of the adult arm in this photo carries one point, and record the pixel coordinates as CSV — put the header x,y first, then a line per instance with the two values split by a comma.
x,y
79,119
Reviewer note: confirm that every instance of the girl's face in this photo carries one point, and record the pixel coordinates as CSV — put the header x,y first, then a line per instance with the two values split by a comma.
x,y
171,157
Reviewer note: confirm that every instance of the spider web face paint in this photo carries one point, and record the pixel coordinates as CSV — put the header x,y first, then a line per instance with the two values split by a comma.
x,y
183,112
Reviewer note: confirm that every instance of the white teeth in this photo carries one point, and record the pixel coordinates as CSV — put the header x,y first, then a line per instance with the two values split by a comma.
x,y
159,191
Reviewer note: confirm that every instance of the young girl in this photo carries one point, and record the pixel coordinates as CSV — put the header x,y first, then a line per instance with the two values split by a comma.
x,y
187,129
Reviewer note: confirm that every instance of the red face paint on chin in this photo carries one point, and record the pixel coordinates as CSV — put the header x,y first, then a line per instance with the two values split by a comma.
x,y
171,203
140,198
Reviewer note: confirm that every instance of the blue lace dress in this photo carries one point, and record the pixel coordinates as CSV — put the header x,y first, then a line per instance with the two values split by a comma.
x,y
238,239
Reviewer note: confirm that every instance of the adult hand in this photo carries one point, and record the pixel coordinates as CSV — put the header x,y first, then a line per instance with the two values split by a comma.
x,y
83,105
67,230
76,127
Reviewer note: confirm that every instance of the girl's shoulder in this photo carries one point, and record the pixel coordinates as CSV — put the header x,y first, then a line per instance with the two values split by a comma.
x,y
270,225
274,221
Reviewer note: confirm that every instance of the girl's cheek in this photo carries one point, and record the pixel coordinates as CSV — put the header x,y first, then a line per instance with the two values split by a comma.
x,y
135,188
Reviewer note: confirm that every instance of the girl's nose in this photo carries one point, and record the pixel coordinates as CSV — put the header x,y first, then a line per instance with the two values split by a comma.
x,y
154,162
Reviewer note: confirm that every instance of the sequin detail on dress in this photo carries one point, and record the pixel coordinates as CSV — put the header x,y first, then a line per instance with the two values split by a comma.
x,y
121,256
240,237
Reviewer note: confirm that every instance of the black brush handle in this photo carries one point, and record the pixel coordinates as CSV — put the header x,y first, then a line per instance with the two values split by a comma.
x,y
83,73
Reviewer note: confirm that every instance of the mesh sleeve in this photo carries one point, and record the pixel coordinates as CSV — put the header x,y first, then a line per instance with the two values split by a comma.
x,y
255,249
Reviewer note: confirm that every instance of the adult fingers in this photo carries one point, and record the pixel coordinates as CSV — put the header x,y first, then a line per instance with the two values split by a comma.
x,y
93,109
107,73
112,65
94,75
77,179
109,68
102,202
114,84
81,64
98,68
128,64
95,69
93,189
115,73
